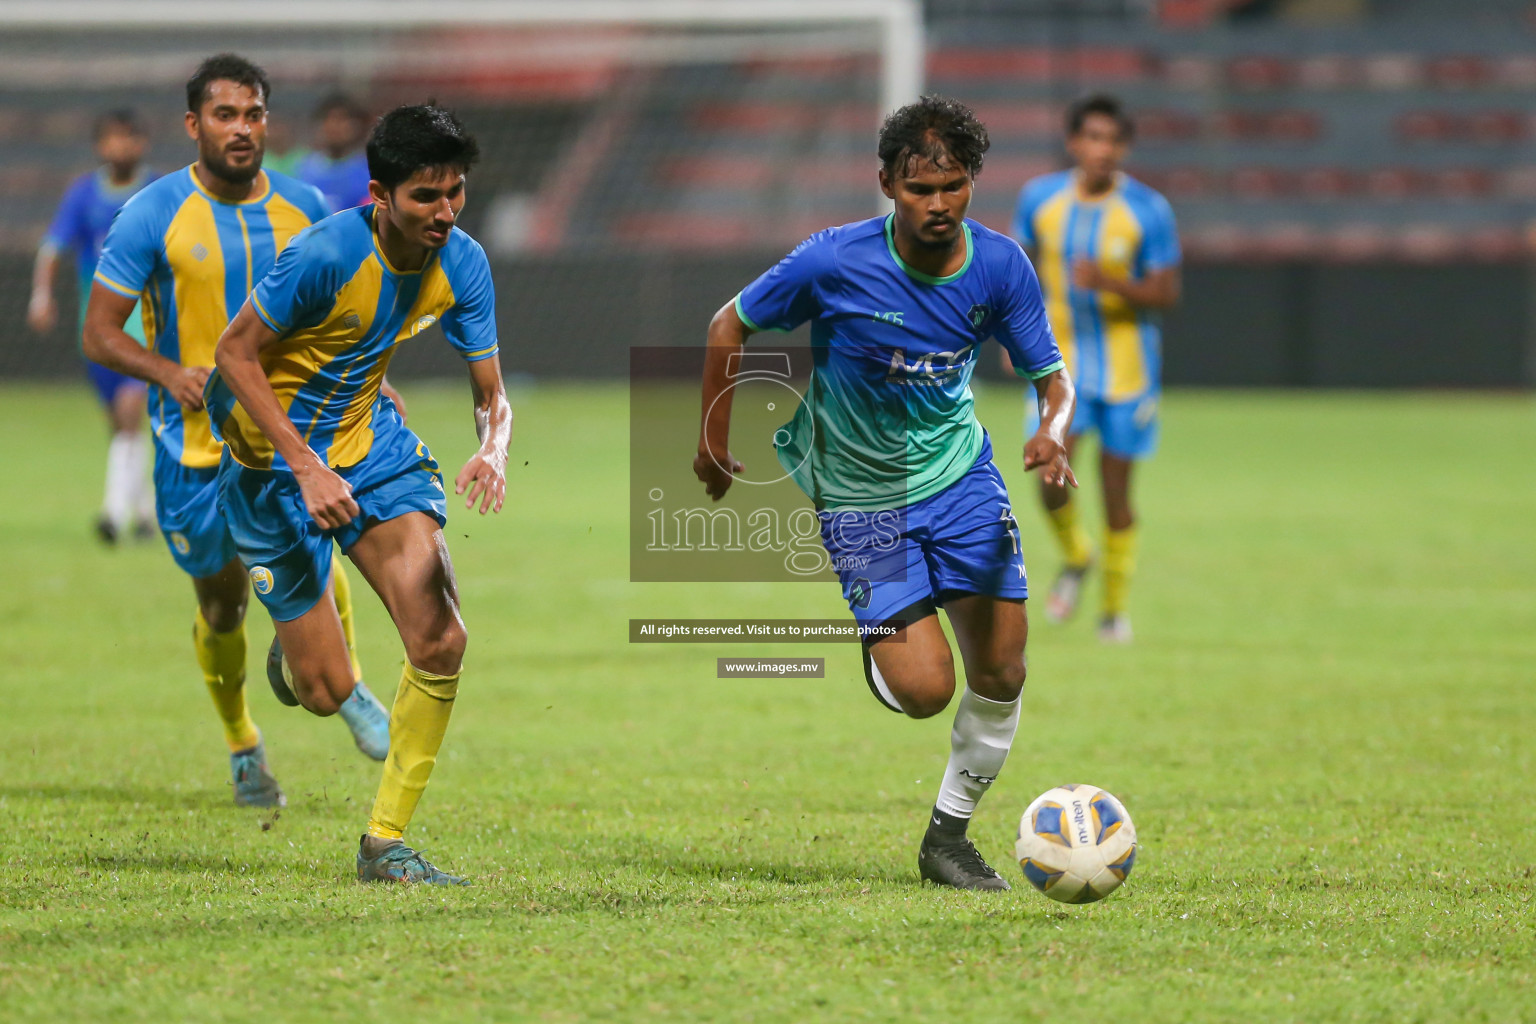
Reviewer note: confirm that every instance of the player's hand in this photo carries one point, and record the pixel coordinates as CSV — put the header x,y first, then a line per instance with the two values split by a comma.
x,y
1087,275
716,480
186,386
388,391
42,313
1048,455
327,497
485,477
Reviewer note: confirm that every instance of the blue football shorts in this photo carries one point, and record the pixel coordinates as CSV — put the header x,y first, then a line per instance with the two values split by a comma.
x,y
963,540
286,552
1127,429
187,507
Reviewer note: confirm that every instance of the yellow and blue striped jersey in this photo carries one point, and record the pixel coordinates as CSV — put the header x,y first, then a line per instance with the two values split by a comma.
x,y
1112,349
194,258
341,310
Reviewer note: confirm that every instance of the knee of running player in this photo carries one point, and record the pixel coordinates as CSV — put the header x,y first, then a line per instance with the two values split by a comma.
x,y
439,651
322,686
926,691
1001,680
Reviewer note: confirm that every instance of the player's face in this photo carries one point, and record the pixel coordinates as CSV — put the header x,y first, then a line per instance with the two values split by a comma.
x,y
231,131
121,148
930,201
1098,148
424,207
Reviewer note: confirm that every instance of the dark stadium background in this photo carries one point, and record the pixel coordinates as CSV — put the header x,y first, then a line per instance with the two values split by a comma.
x,y
1355,180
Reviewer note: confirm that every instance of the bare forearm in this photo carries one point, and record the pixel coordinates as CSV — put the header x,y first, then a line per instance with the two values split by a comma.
x,y
727,337
43,272
106,342
1156,291
1058,399
493,413
238,359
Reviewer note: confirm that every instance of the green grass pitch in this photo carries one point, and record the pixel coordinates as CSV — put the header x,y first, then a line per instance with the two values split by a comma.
x,y
1324,732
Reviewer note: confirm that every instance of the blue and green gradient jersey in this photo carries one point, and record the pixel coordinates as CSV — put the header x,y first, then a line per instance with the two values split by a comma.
x,y
888,419
194,258
341,309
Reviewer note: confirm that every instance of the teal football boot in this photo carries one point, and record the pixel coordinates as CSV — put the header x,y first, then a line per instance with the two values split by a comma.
x,y
253,781
368,720
399,863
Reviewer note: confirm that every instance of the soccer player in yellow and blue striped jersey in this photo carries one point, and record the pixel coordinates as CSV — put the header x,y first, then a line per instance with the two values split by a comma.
x,y
1107,252
192,244
317,454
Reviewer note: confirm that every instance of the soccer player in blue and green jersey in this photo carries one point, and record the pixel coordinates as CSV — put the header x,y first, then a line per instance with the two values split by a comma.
x,y
79,227
317,455
887,446
192,244
1108,254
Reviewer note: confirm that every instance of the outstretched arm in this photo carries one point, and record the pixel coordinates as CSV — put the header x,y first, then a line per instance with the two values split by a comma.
x,y
327,497
485,474
106,342
1047,450
714,464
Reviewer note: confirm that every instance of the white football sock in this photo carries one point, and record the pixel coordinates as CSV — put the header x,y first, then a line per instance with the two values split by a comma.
x,y
141,502
978,746
117,503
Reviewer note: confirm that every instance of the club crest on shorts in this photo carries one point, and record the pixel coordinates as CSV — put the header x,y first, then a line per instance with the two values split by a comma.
x,y
180,543
261,579
860,593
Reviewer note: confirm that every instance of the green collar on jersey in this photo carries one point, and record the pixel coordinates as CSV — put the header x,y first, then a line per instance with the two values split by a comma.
x,y
918,275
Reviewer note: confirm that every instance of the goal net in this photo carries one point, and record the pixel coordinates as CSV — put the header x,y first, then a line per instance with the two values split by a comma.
x,y
637,157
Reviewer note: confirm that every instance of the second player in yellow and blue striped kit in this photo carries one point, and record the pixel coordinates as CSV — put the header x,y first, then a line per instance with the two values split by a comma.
x,y
1107,252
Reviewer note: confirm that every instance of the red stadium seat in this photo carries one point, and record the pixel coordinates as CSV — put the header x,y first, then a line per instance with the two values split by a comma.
x,y
1429,126
1462,72
1497,127
1393,183
1393,71
1259,183
1350,243
1460,183
1326,183
1329,71
1260,73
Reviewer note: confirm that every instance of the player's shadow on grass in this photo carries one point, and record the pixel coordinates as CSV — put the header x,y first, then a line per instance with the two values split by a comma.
x,y
121,796
723,866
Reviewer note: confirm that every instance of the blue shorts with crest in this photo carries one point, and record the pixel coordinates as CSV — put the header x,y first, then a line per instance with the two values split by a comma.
x,y
963,540
187,508
286,552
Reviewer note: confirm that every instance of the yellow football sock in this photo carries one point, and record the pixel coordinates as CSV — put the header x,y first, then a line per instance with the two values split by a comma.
x,y
1075,545
416,726
343,592
1119,566
222,658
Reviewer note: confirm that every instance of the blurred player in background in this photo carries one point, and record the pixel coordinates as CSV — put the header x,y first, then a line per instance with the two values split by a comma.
x,y
1108,256
192,244
337,166
914,514
79,227
307,353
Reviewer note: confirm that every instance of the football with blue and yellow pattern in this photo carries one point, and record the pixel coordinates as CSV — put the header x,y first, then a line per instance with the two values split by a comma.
x,y
1076,843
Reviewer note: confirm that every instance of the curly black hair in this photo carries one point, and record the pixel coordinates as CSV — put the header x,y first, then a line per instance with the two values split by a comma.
x,y
225,67
410,138
937,129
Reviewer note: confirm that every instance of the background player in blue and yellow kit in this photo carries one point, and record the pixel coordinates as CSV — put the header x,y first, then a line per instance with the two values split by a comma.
x,y
887,445
315,452
79,227
1108,256
192,244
